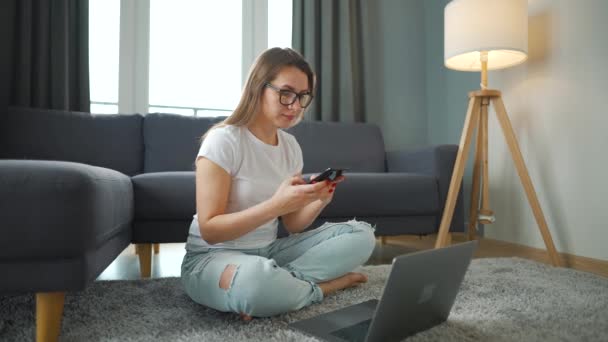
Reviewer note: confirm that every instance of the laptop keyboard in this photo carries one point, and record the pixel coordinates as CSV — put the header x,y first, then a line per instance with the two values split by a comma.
x,y
355,333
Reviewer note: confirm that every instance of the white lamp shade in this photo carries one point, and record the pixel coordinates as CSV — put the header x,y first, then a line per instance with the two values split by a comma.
x,y
499,27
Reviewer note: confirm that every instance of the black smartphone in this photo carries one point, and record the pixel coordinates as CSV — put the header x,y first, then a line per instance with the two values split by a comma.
x,y
329,174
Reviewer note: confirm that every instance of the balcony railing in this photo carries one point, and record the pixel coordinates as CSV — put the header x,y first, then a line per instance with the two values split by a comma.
x,y
98,107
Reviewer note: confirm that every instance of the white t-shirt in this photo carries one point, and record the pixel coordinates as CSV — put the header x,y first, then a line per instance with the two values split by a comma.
x,y
257,169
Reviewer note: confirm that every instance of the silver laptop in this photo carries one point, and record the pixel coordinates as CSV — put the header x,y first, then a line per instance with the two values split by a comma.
x,y
418,294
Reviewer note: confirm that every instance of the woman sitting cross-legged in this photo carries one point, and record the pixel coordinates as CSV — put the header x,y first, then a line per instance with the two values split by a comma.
x,y
248,175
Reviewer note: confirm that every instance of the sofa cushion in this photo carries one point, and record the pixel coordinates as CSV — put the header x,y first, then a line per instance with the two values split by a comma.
x,y
56,209
384,194
161,231
356,146
172,141
172,195
165,195
110,141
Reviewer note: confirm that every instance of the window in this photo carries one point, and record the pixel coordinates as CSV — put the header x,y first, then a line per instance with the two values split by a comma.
x,y
104,19
279,23
195,53
186,57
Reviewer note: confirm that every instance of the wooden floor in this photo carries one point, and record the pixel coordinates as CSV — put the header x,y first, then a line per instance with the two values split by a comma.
x,y
167,262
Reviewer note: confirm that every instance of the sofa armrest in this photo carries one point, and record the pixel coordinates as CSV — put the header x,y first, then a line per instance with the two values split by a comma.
x,y
60,209
438,161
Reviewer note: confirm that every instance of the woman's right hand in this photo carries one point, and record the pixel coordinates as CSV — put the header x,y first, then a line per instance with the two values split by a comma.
x,y
294,193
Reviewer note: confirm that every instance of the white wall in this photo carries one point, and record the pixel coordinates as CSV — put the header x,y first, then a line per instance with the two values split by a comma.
x,y
558,105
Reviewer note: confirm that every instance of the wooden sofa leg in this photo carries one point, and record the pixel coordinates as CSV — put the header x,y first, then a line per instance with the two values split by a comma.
x,y
144,251
49,311
156,248
383,240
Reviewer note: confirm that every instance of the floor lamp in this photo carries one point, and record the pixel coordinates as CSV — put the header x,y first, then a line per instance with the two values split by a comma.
x,y
482,35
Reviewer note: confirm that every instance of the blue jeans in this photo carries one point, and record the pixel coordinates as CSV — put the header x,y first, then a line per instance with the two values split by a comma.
x,y
281,277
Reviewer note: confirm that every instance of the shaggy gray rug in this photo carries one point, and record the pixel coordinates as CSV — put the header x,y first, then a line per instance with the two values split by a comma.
x,y
505,299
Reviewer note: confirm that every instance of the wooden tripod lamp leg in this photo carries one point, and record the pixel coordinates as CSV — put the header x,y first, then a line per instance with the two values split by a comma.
x,y
470,122
486,215
524,176
473,209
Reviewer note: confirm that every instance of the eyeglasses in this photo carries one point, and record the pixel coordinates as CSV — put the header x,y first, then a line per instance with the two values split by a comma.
x,y
288,97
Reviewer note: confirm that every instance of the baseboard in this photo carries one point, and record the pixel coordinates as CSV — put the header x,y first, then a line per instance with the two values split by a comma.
x,y
577,262
491,248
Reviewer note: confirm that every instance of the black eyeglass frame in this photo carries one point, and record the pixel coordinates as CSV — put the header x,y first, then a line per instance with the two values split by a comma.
x,y
288,93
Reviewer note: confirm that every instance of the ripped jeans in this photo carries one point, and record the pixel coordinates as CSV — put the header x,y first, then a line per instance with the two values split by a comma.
x,y
281,277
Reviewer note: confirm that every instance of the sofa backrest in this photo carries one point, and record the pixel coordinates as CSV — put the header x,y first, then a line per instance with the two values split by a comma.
x,y
357,146
172,141
111,141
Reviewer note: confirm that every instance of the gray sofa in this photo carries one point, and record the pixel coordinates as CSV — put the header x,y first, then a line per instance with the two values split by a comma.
x,y
76,188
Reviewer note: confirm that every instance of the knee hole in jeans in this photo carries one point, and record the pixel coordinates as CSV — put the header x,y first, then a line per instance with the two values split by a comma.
x,y
227,276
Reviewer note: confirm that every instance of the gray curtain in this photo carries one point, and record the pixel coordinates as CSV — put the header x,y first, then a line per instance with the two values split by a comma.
x,y
48,53
329,34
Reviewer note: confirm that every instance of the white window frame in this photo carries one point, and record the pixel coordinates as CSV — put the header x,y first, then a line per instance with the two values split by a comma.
x,y
134,50
255,32
134,56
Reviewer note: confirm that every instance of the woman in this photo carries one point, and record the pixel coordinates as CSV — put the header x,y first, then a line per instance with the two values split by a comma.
x,y
248,174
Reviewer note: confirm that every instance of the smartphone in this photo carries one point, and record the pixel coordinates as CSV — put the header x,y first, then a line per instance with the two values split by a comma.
x,y
329,174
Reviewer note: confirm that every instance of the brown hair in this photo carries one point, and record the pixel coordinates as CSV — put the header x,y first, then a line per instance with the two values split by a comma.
x,y
265,69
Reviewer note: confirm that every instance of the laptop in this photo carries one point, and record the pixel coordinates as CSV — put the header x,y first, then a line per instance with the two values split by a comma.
x,y
418,294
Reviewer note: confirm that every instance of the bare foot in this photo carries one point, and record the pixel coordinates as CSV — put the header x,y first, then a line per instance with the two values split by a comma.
x,y
348,280
245,317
